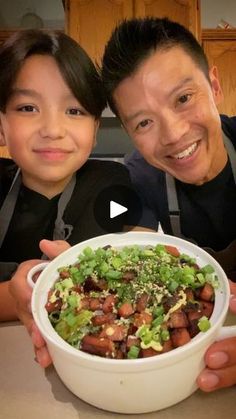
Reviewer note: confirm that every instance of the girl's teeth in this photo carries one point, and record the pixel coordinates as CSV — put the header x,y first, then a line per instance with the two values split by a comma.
x,y
188,152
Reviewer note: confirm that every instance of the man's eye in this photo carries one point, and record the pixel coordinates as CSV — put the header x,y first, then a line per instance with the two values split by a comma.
x,y
143,123
184,98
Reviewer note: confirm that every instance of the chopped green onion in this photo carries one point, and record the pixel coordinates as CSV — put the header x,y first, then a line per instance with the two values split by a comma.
x,y
204,324
133,352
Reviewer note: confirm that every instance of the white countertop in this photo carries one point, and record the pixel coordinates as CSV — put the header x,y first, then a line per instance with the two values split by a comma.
x,y
29,392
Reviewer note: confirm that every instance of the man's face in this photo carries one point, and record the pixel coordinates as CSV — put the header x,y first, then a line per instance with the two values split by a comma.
x,y
168,108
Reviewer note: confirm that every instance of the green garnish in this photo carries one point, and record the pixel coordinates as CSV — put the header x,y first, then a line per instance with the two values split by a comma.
x,y
150,282
204,324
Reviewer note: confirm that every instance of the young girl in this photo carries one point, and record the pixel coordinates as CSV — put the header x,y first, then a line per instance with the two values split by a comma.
x,y
50,104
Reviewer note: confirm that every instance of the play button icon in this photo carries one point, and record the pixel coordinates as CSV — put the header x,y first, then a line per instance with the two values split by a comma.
x,y
117,206
116,209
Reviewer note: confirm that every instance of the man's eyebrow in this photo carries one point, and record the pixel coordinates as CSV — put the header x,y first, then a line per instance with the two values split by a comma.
x,y
181,84
140,112
129,118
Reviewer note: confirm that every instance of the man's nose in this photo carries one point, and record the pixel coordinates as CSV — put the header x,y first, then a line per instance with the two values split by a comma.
x,y
174,127
52,126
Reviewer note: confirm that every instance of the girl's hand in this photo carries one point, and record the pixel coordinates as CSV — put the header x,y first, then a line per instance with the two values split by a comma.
x,y
21,292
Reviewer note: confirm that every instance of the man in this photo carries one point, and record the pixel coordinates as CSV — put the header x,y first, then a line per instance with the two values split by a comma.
x,y
158,83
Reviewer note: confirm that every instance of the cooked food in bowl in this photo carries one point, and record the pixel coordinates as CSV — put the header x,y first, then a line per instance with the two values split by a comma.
x,y
131,302
138,385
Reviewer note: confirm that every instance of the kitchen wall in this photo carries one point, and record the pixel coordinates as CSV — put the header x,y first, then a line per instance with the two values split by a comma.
x,y
112,139
212,11
50,11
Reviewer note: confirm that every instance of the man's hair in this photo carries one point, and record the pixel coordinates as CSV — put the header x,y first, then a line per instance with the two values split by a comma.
x,y
75,66
135,40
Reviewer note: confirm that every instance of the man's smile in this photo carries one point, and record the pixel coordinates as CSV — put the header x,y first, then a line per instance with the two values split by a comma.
x,y
185,153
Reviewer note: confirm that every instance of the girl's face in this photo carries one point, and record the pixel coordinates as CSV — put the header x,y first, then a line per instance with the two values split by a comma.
x,y
47,131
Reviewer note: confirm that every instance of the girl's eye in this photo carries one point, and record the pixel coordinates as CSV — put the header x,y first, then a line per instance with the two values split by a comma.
x,y
184,98
27,108
75,111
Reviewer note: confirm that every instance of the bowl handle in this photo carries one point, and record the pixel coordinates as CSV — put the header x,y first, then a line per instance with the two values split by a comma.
x,y
227,332
34,273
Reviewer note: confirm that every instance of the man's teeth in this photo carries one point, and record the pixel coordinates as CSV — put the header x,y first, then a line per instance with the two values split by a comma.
x,y
188,152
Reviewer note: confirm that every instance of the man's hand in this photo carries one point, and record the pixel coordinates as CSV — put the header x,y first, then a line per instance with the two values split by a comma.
x,y
21,292
220,359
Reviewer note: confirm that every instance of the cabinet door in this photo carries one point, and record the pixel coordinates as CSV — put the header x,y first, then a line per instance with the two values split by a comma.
x,y
4,152
4,34
221,51
90,22
186,12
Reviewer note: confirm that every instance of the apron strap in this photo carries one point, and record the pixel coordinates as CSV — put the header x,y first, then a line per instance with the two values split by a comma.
x,y
8,206
61,230
231,153
173,205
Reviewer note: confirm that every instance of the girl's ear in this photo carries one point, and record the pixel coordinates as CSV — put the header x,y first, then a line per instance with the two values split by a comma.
x,y
2,136
215,85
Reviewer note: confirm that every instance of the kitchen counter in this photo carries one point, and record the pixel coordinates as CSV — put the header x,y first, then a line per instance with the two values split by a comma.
x,y
27,391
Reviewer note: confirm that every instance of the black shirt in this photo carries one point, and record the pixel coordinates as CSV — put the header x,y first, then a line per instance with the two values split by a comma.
x,y
207,212
34,215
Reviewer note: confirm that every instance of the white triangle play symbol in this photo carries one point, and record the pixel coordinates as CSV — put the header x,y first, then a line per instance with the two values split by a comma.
x,y
116,209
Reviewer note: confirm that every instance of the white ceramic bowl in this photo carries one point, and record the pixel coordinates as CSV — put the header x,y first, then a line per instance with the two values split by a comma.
x,y
138,385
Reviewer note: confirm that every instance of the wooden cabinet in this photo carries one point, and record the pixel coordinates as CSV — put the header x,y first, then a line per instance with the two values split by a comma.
x,y
220,48
4,34
186,12
4,152
91,22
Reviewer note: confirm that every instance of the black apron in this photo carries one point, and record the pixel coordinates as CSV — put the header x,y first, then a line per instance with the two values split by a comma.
x,y
61,231
225,257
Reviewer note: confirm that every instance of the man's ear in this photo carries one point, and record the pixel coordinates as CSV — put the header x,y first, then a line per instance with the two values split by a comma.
x,y
215,85
2,136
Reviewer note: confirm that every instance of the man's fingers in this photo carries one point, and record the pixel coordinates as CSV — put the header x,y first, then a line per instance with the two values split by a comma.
x,y
210,380
53,248
232,287
221,354
220,369
232,302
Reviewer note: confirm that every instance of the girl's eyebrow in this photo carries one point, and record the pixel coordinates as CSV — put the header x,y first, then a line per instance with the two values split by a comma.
x,y
16,91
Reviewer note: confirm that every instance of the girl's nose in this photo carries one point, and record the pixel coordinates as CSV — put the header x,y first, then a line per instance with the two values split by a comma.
x,y
52,127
